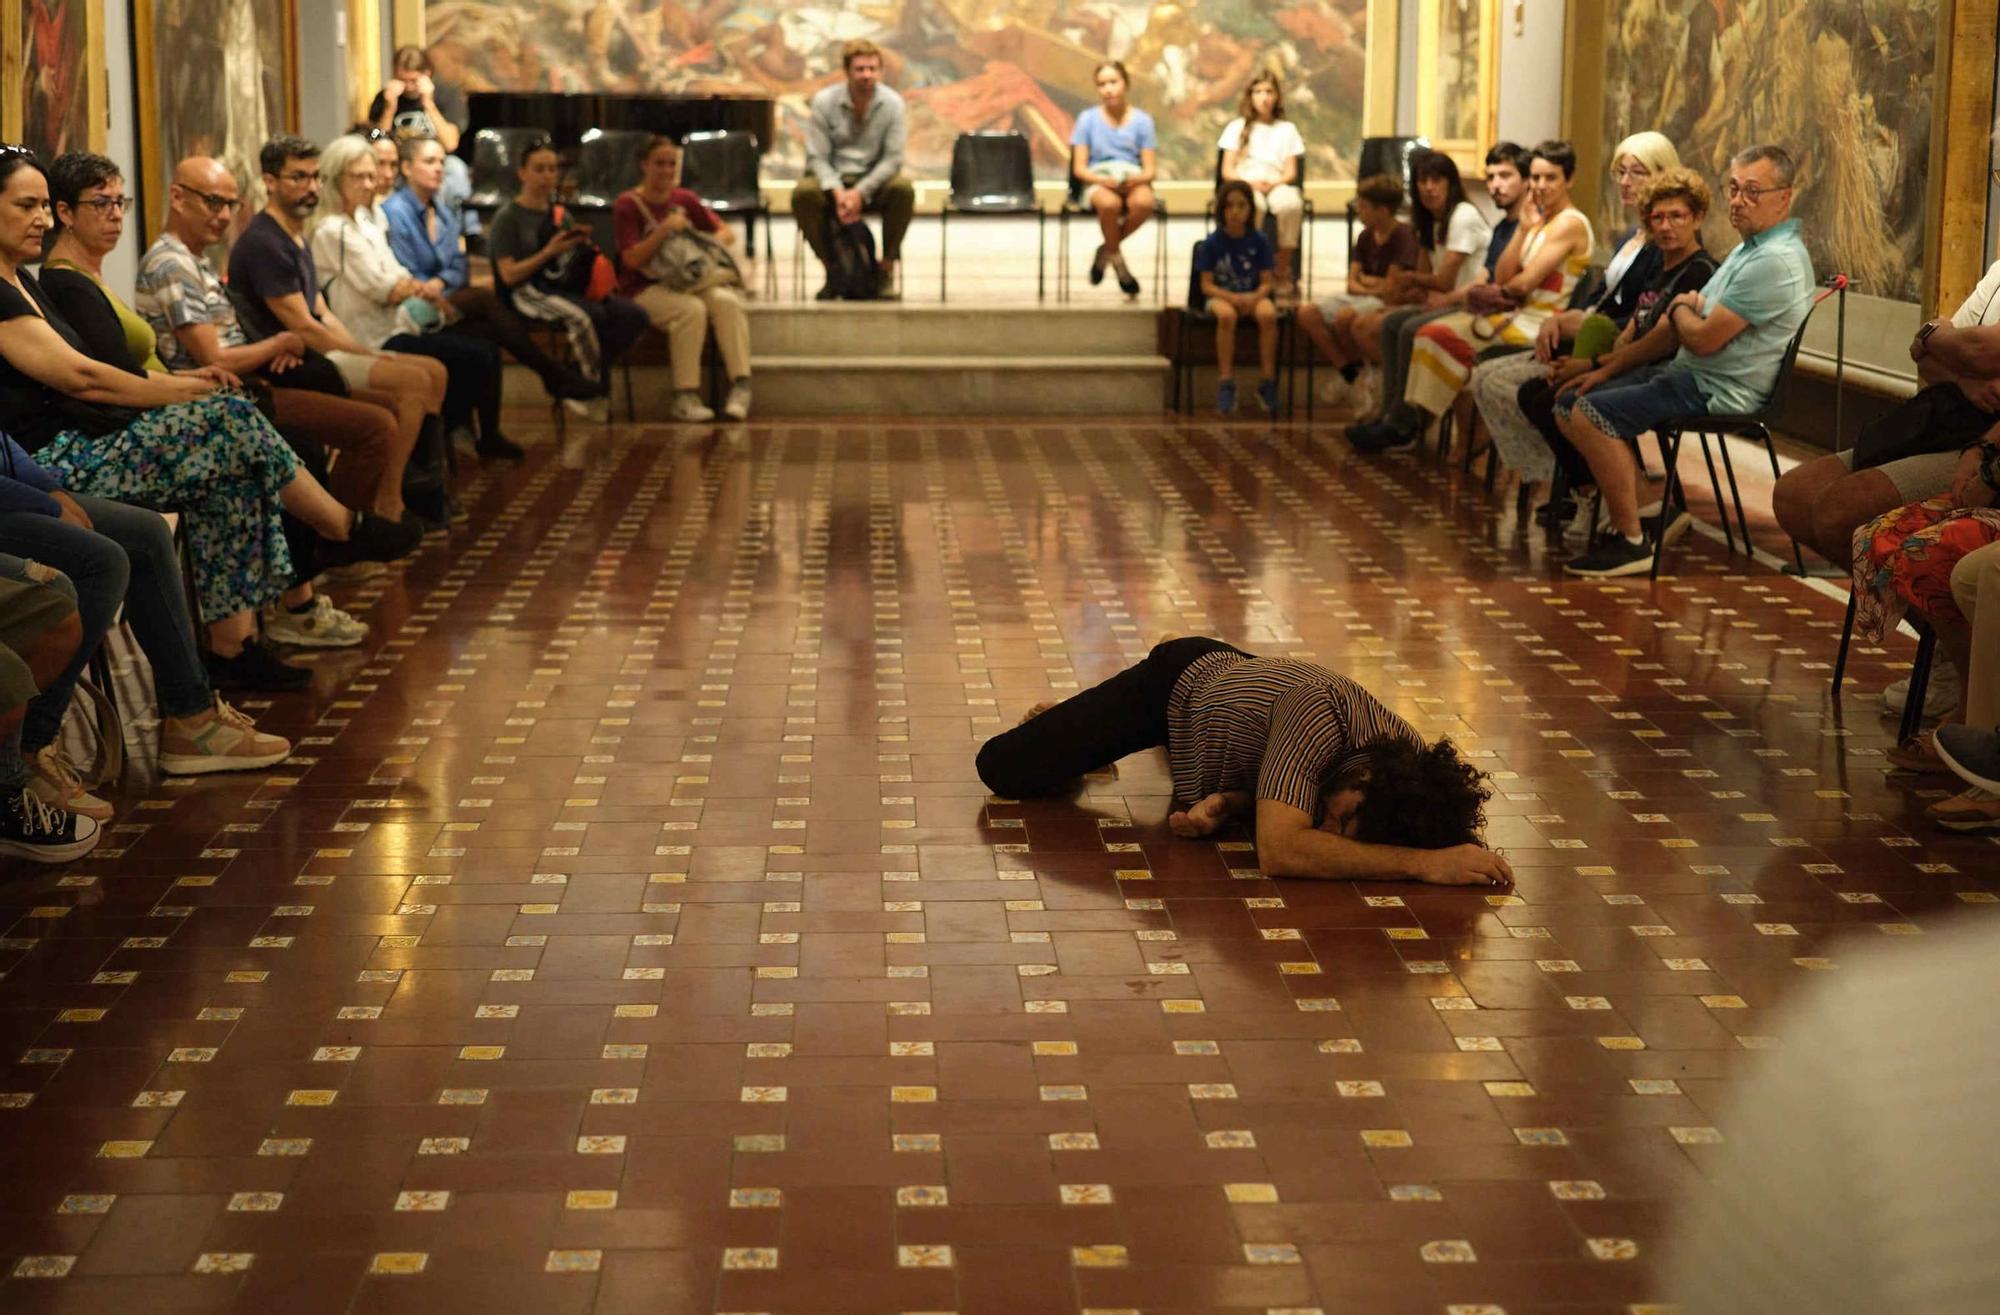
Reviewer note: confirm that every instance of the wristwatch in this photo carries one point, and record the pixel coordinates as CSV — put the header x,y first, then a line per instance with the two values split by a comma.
x,y
1930,327
1989,465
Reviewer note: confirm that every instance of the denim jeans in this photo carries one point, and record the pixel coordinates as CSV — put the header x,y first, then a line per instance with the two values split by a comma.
x,y
128,558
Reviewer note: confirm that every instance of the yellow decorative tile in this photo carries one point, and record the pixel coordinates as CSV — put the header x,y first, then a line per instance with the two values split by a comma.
x,y
1102,1256
1250,1193
398,1262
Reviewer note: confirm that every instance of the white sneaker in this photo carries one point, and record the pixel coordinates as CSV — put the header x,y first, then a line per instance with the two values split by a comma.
x,y
326,626
1581,527
1366,391
1334,391
737,406
578,407
1941,694
688,409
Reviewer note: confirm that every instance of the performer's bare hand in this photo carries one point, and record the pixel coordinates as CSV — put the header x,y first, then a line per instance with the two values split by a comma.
x,y
1464,865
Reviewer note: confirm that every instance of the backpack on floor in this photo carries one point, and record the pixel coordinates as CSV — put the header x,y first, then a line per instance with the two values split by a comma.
x,y
851,270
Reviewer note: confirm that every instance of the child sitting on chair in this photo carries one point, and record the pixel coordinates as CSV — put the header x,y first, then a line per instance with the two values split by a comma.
x,y
1235,267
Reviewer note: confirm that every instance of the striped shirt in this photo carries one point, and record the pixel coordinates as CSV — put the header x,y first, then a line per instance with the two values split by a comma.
x,y
1269,725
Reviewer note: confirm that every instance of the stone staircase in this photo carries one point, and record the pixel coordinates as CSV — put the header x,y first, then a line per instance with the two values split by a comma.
x,y
899,359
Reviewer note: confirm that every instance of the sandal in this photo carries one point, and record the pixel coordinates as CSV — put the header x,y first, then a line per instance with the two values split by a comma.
x,y
1918,754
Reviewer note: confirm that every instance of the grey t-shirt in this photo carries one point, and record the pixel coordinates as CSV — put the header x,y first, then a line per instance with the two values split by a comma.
x,y
518,232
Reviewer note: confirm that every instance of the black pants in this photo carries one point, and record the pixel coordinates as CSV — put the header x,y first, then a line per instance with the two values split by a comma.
x,y
1537,399
1126,714
472,376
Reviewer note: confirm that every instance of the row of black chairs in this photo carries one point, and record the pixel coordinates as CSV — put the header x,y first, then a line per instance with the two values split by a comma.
x,y
992,175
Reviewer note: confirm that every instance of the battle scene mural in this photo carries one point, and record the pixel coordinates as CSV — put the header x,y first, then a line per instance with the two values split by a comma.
x,y
1845,84
963,65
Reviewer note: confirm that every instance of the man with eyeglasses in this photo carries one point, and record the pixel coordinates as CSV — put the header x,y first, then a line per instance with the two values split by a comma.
x,y
179,293
1732,335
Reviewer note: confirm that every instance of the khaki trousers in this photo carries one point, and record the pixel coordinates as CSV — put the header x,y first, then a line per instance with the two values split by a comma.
x,y
686,317
1975,586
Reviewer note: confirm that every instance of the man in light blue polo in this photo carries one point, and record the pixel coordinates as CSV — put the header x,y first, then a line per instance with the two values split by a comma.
x,y
1733,334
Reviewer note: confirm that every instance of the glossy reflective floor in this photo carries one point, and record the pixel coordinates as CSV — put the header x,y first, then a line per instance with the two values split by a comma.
x,y
632,934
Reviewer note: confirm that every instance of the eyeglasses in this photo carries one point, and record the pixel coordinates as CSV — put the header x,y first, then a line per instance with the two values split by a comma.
x,y
298,177
1750,191
1631,172
9,150
378,135
217,205
108,205
1670,217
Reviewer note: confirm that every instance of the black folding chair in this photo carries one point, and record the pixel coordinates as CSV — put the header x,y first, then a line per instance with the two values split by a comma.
x,y
1920,668
722,169
1751,424
1196,312
1074,205
1385,155
496,160
993,174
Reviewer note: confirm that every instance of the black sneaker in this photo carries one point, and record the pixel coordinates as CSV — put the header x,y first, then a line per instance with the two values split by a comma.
x,y
255,668
376,538
32,830
826,294
499,447
1617,555
568,385
1554,515
1378,436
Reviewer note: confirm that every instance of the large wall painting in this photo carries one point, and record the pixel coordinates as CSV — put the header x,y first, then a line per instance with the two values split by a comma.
x,y
1846,85
52,76
216,77
964,65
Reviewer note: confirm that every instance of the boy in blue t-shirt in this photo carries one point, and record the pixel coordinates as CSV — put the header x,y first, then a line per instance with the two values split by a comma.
x,y
1235,264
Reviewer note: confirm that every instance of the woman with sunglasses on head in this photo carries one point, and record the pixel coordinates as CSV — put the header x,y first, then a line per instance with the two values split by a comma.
x,y
184,443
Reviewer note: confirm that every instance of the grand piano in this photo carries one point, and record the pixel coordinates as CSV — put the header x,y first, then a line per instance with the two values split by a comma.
x,y
566,116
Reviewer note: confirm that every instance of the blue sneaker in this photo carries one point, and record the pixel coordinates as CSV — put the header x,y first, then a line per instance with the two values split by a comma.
x,y
1267,396
1225,397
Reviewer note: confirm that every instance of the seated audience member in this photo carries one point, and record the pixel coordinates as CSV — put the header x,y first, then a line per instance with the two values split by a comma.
x,y
115,555
1114,157
1234,264
643,219
1906,558
1261,147
854,161
1516,394
425,238
1911,453
541,265
1385,247
271,265
1533,280
386,308
1971,748
1507,185
89,210
1451,235
195,325
1732,335
39,635
388,173
415,107
168,442
1340,787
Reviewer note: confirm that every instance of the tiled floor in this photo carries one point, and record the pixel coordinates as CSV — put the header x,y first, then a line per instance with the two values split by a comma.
x,y
633,935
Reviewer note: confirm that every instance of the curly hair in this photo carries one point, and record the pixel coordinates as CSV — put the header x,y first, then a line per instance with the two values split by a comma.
x,y
1415,795
1686,184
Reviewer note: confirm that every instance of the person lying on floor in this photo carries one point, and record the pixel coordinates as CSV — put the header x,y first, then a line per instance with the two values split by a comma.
x,y
1337,785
